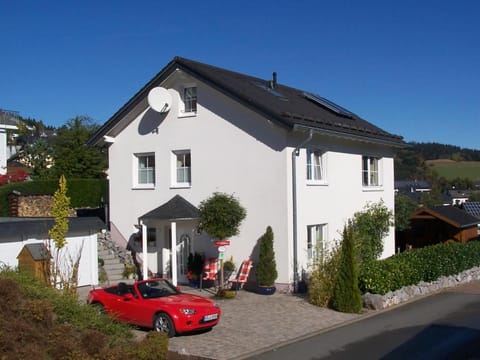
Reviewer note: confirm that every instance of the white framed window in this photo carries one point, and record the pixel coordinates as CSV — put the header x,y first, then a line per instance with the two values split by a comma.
x,y
371,174
144,170
181,168
189,98
316,166
316,243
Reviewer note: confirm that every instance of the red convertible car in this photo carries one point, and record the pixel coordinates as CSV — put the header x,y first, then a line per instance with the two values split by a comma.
x,y
156,304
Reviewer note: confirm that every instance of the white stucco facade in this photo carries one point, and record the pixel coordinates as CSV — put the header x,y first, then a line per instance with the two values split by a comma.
x,y
83,246
237,151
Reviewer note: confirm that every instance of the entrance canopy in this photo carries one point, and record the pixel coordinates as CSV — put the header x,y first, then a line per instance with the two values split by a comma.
x,y
174,210
177,208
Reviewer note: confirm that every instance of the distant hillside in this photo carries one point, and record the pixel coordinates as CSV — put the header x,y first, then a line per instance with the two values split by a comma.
x,y
417,159
450,169
435,151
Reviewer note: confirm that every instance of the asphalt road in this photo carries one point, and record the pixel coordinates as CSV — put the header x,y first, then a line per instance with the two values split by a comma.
x,y
441,326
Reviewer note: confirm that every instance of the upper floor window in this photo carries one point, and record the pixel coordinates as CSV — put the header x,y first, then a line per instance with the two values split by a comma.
x,y
190,99
182,168
144,169
316,243
370,171
315,166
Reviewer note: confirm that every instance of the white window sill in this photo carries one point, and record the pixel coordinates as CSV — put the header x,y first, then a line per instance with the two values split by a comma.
x,y
316,183
372,188
181,186
187,114
144,187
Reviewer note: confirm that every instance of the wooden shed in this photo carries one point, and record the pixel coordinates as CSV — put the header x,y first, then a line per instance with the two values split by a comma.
x,y
439,224
34,259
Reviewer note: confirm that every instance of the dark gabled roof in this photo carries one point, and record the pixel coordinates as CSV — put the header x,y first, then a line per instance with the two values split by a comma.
x,y
13,228
290,107
38,251
449,214
177,208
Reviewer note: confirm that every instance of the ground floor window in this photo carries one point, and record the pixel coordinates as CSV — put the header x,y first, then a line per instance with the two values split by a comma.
x,y
316,243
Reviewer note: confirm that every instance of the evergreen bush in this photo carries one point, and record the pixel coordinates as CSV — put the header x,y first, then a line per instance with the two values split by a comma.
x,y
423,264
266,269
346,294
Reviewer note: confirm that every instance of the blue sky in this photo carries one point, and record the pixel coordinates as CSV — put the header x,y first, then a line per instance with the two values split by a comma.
x,y
410,67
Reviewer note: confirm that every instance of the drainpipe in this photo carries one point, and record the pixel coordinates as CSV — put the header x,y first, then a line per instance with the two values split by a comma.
x,y
295,153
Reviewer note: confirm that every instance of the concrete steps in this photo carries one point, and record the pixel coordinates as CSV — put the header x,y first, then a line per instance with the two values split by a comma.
x,y
113,260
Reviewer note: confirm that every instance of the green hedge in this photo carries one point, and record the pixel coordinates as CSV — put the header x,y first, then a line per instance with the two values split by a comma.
x,y
82,192
424,264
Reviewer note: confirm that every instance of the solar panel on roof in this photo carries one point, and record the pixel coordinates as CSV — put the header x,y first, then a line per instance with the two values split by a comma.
x,y
328,104
472,207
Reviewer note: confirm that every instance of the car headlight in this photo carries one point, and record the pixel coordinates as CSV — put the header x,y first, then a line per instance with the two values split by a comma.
x,y
188,311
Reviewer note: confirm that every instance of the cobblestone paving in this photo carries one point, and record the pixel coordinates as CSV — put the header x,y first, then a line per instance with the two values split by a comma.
x,y
251,323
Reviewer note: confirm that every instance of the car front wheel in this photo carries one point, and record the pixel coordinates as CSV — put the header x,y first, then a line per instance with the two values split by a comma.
x,y
163,323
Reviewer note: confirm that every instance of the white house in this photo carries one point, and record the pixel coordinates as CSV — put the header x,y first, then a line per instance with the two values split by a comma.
x,y
296,161
16,232
8,121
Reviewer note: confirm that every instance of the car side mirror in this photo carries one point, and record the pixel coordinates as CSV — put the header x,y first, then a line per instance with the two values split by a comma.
x,y
128,297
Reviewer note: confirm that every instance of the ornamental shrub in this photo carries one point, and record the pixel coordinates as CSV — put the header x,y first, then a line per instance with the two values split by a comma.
x,y
423,264
266,269
346,294
221,215
322,279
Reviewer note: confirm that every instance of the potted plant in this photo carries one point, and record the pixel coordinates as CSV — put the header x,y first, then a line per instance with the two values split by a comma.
x,y
228,268
129,271
220,216
266,269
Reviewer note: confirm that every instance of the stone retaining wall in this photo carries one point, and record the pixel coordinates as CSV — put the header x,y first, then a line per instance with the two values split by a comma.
x,y
378,302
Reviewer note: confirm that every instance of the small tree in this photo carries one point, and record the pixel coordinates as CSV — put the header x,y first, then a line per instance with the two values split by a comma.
x,y
370,226
404,208
220,216
62,270
346,294
266,268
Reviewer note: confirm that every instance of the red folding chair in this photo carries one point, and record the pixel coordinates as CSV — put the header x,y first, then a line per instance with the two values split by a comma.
x,y
210,269
242,276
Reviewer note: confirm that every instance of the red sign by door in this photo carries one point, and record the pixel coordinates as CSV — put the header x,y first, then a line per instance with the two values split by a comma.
x,y
222,243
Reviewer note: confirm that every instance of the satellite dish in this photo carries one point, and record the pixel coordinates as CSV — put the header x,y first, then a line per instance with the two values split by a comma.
x,y
160,99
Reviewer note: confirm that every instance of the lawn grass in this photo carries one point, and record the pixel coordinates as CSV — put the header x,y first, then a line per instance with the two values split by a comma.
x,y
450,169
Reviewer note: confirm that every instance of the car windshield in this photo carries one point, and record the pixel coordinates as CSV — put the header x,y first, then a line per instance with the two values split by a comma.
x,y
156,288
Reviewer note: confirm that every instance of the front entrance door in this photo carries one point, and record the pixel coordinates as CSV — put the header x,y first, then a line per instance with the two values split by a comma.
x,y
184,247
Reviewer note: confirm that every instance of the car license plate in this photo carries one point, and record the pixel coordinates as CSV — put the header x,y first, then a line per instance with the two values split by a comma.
x,y
210,317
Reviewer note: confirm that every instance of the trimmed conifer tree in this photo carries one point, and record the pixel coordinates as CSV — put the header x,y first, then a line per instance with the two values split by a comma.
x,y
346,294
266,269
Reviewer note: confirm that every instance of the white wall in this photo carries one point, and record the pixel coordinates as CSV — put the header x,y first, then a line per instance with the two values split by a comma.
x,y
3,151
335,202
88,269
225,158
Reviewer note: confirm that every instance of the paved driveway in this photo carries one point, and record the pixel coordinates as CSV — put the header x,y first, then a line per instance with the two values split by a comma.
x,y
253,323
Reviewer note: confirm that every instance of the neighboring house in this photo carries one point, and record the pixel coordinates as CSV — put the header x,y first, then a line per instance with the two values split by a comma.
x,y
414,189
8,121
17,232
294,160
440,224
